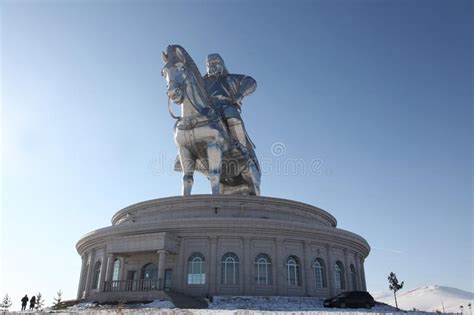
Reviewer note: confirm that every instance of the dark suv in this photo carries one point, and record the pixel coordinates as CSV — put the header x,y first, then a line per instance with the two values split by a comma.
x,y
351,299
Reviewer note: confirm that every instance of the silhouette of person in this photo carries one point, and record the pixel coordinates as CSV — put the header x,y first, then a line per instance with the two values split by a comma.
x,y
24,300
32,302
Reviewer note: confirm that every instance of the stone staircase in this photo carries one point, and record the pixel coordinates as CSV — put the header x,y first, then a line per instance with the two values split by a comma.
x,y
184,301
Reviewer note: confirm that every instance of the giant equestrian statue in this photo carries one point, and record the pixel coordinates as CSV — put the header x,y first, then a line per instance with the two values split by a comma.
x,y
210,133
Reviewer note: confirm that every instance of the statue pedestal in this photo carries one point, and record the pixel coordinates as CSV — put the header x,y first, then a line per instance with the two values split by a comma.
x,y
221,245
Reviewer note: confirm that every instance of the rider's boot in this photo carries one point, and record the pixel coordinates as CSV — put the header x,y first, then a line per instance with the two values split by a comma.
x,y
238,134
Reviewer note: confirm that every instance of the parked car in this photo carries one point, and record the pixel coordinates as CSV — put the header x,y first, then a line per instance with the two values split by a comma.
x,y
351,299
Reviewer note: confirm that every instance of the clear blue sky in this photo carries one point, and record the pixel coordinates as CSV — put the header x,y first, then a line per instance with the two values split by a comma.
x,y
380,92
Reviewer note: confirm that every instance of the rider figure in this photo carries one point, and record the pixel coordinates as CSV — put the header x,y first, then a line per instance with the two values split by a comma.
x,y
226,92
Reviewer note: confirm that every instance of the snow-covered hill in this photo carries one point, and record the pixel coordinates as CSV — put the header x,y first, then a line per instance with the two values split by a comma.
x,y
430,298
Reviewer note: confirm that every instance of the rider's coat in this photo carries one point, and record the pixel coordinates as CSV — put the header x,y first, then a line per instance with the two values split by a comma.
x,y
226,90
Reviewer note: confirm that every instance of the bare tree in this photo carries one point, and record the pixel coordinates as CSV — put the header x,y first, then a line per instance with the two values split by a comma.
x,y
394,285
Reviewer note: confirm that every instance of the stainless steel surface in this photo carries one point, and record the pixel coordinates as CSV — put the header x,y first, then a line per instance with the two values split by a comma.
x,y
210,134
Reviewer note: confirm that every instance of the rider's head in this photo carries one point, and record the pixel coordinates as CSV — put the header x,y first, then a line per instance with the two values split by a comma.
x,y
215,65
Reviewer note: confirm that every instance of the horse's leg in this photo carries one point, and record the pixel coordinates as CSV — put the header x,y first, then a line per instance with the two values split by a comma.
x,y
188,163
251,175
214,156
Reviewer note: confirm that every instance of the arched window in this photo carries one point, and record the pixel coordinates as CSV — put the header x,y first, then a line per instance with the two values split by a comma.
x,y
116,270
263,270
339,275
319,273
96,278
230,269
353,277
196,269
293,271
150,272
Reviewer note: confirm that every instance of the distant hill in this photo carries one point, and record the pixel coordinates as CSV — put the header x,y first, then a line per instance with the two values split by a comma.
x,y
430,298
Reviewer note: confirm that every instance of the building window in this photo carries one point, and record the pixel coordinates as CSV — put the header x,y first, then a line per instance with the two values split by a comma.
x,y
150,272
116,270
319,273
293,271
196,269
353,277
230,269
263,270
96,278
339,275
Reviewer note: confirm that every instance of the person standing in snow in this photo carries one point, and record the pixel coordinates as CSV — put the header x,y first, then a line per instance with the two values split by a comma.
x,y
24,301
32,302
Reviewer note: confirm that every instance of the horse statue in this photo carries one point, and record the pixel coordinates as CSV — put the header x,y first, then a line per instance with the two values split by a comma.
x,y
201,135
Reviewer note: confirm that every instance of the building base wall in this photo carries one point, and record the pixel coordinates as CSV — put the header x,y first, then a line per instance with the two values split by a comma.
x,y
220,245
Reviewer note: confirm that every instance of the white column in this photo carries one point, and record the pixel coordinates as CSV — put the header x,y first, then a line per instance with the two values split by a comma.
x,y
103,268
122,273
358,272
330,270
122,270
90,271
109,270
82,280
363,284
280,268
247,268
110,267
308,275
213,270
161,268
181,277
347,271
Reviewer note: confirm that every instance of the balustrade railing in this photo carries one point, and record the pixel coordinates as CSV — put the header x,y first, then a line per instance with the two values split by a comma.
x,y
131,285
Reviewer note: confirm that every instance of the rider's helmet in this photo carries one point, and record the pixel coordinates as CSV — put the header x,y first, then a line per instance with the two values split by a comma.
x,y
215,65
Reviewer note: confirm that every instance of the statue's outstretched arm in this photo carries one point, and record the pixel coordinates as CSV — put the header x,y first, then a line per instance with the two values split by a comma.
x,y
247,86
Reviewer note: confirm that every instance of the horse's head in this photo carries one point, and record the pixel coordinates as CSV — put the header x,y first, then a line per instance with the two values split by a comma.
x,y
175,73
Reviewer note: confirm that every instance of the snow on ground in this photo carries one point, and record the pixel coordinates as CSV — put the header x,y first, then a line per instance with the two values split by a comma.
x,y
430,298
287,305
239,305
141,308
234,305
272,303
159,304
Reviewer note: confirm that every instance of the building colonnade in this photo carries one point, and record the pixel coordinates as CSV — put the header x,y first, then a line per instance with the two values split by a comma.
x,y
306,272
99,274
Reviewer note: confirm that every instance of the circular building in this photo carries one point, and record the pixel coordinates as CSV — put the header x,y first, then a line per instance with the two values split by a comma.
x,y
205,245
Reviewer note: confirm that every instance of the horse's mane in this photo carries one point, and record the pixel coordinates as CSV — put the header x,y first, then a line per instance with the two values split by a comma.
x,y
192,68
